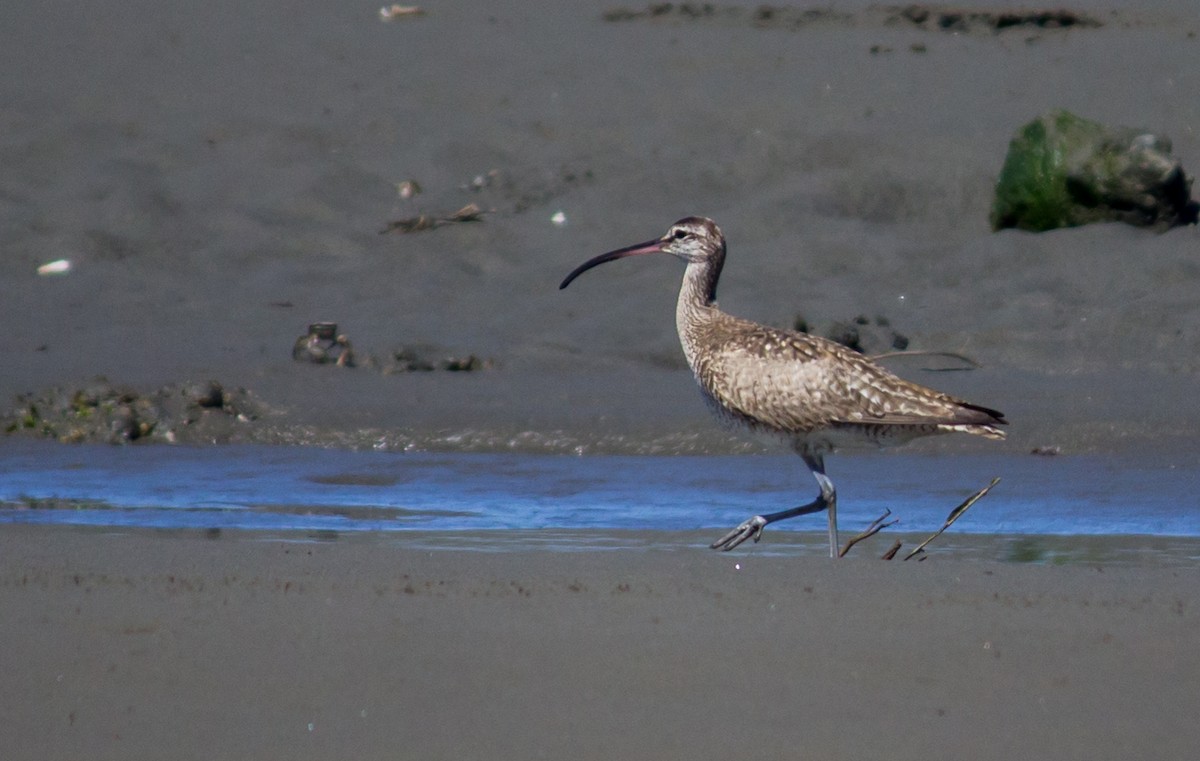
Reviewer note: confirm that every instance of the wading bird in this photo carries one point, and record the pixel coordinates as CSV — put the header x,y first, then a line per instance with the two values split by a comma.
x,y
812,394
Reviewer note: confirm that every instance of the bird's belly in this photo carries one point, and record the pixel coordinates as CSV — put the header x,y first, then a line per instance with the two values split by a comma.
x,y
867,435
819,439
737,422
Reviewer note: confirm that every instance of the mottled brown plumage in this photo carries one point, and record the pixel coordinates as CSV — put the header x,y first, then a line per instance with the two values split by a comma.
x,y
813,394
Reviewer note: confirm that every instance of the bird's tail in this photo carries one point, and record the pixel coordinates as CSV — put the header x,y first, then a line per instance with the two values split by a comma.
x,y
990,431
980,421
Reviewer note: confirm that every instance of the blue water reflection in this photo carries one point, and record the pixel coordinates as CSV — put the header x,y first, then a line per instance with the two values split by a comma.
x,y
315,489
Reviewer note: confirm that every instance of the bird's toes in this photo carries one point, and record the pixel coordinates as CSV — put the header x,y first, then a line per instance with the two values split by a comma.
x,y
727,542
750,529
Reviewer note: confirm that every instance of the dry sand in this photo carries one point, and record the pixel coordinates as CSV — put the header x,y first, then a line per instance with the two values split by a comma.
x,y
177,646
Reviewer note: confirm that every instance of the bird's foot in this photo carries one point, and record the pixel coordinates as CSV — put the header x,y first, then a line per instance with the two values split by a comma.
x,y
749,529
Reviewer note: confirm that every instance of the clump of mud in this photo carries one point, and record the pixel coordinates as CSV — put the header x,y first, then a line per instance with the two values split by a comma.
x,y
324,345
191,412
417,359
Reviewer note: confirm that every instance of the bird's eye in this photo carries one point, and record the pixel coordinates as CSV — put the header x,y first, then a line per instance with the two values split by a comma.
x,y
679,234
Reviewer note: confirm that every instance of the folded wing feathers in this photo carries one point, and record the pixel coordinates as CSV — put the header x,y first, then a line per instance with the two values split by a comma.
x,y
798,382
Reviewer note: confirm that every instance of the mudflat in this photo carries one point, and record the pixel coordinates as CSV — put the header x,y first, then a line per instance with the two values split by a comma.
x,y
173,645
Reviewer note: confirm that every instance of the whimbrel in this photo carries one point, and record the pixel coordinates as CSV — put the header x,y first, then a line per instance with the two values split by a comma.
x,y
812,394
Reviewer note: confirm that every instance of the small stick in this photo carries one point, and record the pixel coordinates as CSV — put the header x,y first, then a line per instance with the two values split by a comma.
x,y
971,364
876,526
954,515
469,213
890,554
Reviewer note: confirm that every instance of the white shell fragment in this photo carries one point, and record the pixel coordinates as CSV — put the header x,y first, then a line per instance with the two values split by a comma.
x,y
558,219
56,267
393,12
408,189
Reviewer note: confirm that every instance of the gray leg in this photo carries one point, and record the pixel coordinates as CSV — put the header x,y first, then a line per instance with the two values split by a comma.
x,y
829,495
752,528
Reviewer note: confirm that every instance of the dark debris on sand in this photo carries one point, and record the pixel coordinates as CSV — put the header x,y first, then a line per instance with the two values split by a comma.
x,y
426,359
469,213
950,19
514,190
101,411
930,17
324,345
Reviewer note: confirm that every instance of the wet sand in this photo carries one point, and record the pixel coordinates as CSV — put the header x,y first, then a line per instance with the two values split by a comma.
x,y
150,646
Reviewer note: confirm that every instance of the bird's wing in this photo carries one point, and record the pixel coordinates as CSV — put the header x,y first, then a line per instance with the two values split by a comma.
x,y
794,381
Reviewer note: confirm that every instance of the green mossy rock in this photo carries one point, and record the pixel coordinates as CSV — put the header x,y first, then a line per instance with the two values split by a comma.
x,y
1063,171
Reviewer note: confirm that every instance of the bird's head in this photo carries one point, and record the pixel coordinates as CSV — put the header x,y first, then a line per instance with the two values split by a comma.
x,y
696,240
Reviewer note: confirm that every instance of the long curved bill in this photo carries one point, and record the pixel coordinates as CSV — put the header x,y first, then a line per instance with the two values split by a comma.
x,y
649,247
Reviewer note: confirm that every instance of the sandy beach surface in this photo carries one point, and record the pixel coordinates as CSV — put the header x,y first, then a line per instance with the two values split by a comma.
x,y
178,646
220,175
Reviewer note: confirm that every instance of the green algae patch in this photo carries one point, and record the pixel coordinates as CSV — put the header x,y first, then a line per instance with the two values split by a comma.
x,y
1063,171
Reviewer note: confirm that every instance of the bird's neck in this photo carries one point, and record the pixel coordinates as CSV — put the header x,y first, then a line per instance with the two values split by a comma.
x,y
697,302
700,281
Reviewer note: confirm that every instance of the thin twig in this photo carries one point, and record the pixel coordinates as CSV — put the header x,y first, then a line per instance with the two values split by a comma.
x,y
954,515
468,213
971,364
891,553
876,526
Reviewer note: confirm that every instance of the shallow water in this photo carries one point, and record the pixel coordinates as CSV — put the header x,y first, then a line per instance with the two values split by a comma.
x,y
319,490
